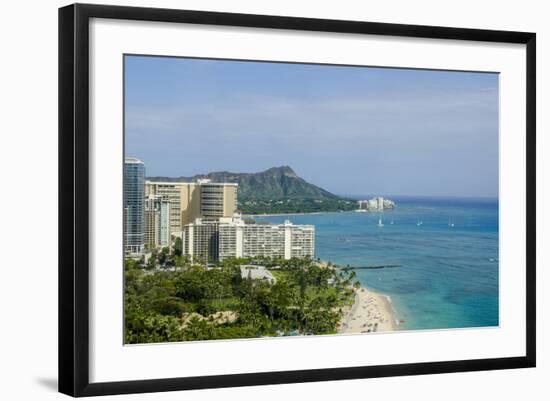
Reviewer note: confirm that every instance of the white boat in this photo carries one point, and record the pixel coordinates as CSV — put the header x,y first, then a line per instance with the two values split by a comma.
x,y
419,223
380,224
451,224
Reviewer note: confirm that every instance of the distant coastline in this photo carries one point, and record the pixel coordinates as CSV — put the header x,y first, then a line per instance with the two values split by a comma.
x,y
287,214
244,215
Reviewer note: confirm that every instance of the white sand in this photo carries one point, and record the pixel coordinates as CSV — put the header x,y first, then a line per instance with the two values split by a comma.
x,y
371,312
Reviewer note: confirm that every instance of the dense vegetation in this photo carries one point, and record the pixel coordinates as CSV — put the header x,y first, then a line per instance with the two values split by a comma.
x,y
275,190
194,302
295,206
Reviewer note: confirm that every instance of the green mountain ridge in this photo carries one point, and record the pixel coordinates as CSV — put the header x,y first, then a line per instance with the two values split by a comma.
x,y
275,183
275,190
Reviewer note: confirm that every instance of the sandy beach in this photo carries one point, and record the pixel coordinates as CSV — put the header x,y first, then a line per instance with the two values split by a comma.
x,y
371,312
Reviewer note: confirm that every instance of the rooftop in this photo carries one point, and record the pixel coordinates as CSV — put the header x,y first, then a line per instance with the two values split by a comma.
x,y
132,160
176,183
257,273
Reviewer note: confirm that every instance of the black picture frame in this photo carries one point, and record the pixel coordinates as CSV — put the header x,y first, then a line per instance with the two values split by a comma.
x,y
74,198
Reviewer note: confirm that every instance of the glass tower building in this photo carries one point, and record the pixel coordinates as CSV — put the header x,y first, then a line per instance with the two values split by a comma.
x,y
134,205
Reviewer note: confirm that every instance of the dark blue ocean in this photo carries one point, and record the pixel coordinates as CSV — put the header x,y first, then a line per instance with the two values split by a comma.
x,y
448,275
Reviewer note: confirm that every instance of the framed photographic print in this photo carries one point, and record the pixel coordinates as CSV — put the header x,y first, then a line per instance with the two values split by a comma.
x,y
237,189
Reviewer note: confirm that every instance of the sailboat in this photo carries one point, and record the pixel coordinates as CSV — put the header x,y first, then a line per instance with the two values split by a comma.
x,y
380,224
451,224
419,223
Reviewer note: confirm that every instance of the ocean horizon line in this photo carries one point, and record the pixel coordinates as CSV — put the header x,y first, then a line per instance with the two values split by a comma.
x,y
412,197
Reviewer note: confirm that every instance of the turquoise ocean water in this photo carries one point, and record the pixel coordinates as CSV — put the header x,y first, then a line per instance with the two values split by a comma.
x,y
448,276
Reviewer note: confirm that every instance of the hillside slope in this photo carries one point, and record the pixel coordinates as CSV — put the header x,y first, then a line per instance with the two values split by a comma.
x,y
275,190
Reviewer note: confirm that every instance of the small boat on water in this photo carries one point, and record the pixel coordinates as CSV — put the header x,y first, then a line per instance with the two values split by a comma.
x,y
419,223
380,224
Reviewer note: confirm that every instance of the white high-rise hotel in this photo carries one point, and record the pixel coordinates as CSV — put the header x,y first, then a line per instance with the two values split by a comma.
x,y
218,239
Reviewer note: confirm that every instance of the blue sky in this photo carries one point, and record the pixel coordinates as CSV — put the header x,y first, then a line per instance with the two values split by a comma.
x,y
350,130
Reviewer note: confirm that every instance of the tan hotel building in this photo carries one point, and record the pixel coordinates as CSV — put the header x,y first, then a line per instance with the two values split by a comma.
x,y
192,200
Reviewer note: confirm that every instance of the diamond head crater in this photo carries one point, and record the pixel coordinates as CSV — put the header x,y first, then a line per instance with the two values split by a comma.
x,y
276,190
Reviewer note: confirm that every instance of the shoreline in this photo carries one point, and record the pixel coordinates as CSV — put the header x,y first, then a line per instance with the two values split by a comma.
x,y
294,214
283,214
371,312
315,213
